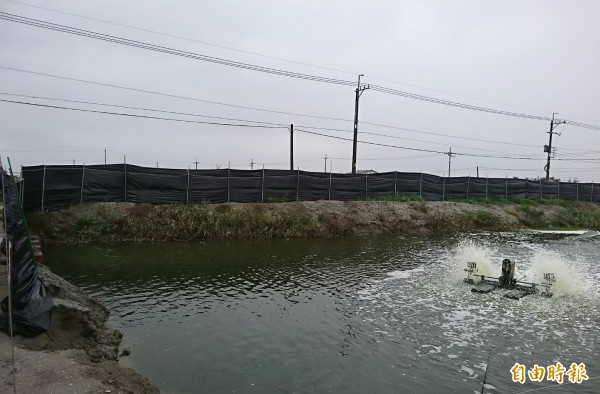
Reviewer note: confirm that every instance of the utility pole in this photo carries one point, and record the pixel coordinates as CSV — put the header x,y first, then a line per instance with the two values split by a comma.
x,y
450,154
325,162
196,162
251,164
548,148
291,147
105,155
359,91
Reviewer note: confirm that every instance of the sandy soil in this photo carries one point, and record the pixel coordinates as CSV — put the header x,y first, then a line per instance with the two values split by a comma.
x,y
78,354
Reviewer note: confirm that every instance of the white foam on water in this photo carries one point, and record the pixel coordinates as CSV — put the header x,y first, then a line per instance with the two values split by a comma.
x,y
469,251
569,274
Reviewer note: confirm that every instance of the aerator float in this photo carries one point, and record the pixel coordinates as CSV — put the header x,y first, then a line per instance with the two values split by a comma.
x,y
514,288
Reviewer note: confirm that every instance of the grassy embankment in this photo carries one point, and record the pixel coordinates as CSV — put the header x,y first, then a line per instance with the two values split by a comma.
x,y
114,222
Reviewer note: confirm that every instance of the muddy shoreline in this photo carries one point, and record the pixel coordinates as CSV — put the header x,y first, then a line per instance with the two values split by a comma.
x,y
78,354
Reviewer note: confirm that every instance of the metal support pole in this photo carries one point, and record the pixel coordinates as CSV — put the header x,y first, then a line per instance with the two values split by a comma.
x,y
577,189
506,188
541,190
395,183
82,178
262,186
330,185
421,186
558,190
487,179
125,177
43,187
366,185
468,185
22,186
292,147
22,189
298,185
444,189
187,188
228,177
592,194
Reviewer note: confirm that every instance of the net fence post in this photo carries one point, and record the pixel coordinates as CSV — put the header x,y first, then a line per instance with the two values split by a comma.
x,y
125,181
82,178
421,186
22,189
262,186
395,183
330,184
187,188
43,187
298,184
444,188
541,190
366,186
487,179
468,185
592,194
506,188
558,190
228,182
22,186
577,189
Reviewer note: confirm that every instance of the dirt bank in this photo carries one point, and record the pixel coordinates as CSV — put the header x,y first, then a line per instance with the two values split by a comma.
x,y
110,222
78,354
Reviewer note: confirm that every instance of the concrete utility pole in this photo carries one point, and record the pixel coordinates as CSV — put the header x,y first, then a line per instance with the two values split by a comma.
x,y
325,163
450,154
359,91
548,148
291,147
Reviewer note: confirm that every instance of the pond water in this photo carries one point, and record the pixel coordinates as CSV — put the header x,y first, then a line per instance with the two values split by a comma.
x,y
347,315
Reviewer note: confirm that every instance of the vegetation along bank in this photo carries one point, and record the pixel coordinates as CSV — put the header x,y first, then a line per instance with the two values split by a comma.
x,y
114,222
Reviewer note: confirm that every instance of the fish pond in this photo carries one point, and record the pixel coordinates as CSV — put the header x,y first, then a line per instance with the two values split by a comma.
x,y
346,315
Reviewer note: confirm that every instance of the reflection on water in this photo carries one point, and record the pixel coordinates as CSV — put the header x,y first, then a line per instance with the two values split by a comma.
x,y
381,315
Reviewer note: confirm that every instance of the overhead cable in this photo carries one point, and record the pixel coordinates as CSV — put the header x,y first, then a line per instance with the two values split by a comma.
x,y
141,116
231,63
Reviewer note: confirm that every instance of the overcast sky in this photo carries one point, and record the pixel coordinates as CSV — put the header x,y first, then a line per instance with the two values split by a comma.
x,y
534,57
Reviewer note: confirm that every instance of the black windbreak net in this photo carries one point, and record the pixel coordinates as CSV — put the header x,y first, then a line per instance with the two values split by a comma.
x,y
31,304
59,186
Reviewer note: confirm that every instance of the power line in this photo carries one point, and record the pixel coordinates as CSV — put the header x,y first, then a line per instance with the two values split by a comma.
x,y
157,48
405,138
140,116
260,54
414,149
249,126
171,51
185,38
240,120
139,108
170,95
272,111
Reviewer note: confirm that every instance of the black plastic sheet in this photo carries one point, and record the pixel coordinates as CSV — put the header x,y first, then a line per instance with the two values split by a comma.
x,y
31,304
54,187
